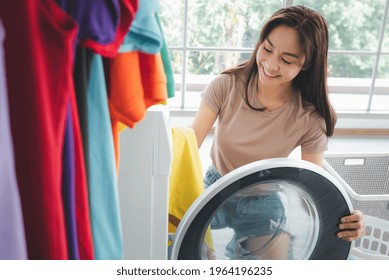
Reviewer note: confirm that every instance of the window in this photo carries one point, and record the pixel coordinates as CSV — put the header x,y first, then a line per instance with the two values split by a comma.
x,y
205,37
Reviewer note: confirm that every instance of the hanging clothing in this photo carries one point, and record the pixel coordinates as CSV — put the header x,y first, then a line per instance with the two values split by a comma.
x,y
12,239
128,9
42,100
102,23
136,81
99,154
103,192
83,223
144,34
49,35
97,22
82,64
167,66
97,19
69,187
136,76
102,186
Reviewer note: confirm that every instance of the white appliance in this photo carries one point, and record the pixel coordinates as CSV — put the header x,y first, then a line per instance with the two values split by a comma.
x,y
313,201
143,180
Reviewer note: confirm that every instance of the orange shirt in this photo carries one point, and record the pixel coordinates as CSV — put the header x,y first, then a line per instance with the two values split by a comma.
x,y
137,81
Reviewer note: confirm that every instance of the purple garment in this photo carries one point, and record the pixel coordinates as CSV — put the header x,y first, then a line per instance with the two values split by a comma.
x,y
97,19
12,238
68,187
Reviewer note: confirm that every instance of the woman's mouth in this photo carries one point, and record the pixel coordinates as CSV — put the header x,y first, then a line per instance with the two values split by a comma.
x,y
269,75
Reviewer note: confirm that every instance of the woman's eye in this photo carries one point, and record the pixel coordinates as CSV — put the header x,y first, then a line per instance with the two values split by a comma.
x,y
266,50
285,61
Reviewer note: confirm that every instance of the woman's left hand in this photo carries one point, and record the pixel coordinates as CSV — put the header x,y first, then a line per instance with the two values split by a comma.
x,y
352,227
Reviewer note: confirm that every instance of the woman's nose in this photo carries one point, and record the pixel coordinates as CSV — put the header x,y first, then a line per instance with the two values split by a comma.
x,y
272,64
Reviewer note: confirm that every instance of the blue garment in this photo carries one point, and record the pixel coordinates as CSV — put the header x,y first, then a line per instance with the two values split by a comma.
x,y
103,193
12,239
249,216
144,34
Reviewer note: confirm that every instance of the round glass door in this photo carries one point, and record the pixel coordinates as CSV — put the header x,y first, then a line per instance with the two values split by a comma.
x,y
271,220
272,209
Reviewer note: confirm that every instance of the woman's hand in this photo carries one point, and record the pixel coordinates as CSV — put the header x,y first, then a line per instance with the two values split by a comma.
x,y
352,227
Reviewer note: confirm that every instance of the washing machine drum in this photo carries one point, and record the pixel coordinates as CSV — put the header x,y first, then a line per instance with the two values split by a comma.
x,y
270,209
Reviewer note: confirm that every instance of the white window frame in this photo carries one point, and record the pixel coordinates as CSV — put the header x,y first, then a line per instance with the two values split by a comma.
x,y
362,120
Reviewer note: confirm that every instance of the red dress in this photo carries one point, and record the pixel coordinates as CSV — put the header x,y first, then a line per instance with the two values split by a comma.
x,y
39,62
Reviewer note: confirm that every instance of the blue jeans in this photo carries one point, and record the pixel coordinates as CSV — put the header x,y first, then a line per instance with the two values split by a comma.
x,y
248,216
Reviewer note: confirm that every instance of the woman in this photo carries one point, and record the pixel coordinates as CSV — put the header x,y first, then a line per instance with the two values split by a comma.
x,y
271,104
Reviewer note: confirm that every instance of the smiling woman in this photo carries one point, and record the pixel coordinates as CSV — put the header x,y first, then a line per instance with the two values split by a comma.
x,y
267,106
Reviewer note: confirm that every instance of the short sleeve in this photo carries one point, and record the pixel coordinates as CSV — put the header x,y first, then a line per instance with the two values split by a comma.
x,y
97,19
215,93
102,24
144,34
315,140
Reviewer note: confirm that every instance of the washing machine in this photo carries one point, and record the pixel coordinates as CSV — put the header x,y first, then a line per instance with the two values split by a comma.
x,y
311,202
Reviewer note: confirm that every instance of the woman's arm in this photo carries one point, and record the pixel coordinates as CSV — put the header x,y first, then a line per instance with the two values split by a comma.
x,y
316,158
203,122
353,226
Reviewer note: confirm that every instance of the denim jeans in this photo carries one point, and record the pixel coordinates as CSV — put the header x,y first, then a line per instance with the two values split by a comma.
x,y
248,216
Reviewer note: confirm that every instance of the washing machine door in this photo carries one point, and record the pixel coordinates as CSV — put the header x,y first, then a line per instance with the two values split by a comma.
x,y
270,209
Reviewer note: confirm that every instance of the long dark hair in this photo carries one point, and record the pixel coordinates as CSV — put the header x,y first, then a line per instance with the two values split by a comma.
x,y
312,80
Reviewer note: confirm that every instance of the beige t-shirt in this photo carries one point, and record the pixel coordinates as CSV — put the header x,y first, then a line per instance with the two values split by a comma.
x,y
243,135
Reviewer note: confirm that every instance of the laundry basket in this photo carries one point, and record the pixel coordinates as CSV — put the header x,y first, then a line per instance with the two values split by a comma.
x,y
366,179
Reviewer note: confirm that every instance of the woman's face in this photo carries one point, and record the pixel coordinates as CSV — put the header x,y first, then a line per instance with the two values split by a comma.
x,y
280,57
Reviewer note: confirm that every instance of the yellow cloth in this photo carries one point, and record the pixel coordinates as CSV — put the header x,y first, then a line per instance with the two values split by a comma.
x,y
186,178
